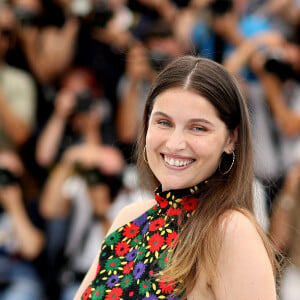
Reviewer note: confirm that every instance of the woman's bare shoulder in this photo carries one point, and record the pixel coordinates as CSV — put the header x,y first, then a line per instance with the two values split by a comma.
x,y
238,223
244,265
239,229
131,212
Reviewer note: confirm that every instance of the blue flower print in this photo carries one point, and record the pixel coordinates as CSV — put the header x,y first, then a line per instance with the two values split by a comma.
x,y
141,220
139,270
131,255
112,281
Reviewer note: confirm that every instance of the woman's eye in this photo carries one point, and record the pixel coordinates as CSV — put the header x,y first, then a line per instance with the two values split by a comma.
x,y
198,128
164,123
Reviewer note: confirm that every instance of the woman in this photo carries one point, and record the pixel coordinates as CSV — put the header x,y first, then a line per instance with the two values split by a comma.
x,y
197,239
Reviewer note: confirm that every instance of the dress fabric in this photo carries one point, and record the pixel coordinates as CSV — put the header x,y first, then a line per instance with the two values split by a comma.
x,y
131,255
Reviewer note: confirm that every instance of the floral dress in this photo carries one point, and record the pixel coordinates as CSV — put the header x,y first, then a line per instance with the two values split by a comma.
x,y
132,254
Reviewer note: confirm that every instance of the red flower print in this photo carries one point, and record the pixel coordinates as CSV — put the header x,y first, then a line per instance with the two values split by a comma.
x,y
122,248
114,294
98,270
166,287
131,230
128,267
189,203
162,201
171,240
173,211
87,293
154,225
155,242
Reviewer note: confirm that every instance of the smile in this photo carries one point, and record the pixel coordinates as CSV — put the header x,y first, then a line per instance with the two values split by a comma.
x,y
177,162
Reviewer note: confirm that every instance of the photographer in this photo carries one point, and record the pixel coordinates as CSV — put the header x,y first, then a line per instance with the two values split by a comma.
x,y
284,232
273,98
48,49
80,190
17,91
223,25
143,62
286,10
80,114
132,89
21,242
279,72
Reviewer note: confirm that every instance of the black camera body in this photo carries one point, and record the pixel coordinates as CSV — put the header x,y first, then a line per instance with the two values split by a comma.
x,y
101,15
27,17
280,68
7,178
220,7
84,101
278,65
92,176
158,60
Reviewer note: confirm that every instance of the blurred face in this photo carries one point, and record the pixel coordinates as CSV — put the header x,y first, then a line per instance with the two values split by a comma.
x,y
169,46
75,82
100,198
7,23
116,4
185,139
32,5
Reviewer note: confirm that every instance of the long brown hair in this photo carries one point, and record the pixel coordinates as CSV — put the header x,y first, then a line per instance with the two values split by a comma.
x,y
200,239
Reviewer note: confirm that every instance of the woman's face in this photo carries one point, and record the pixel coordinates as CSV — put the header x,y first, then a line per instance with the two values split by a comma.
x,y
32,5
185,139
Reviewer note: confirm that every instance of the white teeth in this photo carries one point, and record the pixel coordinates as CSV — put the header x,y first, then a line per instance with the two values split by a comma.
x,y
177,162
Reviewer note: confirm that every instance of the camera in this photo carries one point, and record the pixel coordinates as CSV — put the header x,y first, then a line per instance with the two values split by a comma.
x,y
280,68
92,176
84,101
95,13
220,7
101,15
158,60
27,17
276,63
6,32
7,178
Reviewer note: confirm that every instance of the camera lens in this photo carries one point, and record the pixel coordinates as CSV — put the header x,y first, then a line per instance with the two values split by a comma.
x,y
7,178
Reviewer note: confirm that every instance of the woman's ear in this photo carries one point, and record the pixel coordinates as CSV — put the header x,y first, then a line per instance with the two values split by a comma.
x,y
231,141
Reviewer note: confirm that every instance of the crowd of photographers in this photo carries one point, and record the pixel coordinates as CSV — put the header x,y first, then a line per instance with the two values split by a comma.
x,y
74,75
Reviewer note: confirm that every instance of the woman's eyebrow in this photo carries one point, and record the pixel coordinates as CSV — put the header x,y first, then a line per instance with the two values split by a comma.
x,y
160,113
193,120
201,120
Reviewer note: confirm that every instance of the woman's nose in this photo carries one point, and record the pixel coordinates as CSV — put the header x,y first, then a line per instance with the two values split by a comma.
x,y
176,141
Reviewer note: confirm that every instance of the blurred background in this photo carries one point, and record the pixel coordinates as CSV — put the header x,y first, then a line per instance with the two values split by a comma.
x,y
74,75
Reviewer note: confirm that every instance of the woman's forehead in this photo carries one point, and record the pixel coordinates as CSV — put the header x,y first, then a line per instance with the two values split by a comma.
x,y
184,103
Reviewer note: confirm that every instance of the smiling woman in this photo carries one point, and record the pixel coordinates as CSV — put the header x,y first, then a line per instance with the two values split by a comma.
x,y
185,139
198,238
